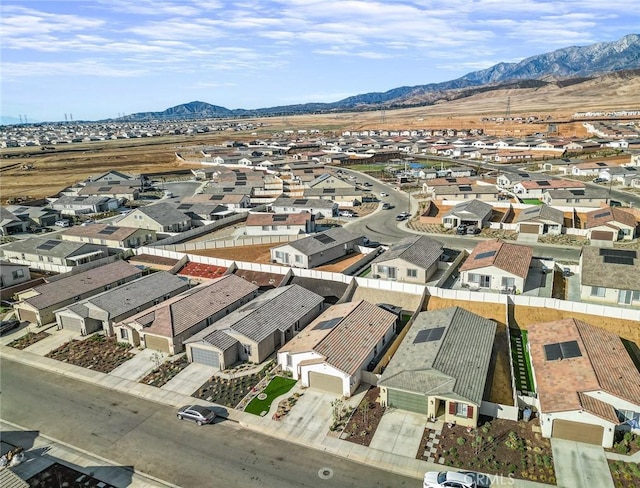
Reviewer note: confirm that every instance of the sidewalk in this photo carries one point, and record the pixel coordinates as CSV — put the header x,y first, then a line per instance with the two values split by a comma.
x,y
298,429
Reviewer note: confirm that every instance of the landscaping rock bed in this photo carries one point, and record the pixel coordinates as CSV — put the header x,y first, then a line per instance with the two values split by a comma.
x,y
98,352
229,392
166,371
625,475
365,419
28,339
497,446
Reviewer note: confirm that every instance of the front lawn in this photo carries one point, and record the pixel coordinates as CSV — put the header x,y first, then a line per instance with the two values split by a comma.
x,y
276,387
531,201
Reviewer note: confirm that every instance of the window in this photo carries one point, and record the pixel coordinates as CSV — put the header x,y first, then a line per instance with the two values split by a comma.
x,y
412,273
461,410
508,282
124,334
40,257
274,227
247,349
265,227
298,258
597,291
289,360
18,273
625,415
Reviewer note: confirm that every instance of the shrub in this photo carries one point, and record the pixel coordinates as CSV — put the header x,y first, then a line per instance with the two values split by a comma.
x,y
461,441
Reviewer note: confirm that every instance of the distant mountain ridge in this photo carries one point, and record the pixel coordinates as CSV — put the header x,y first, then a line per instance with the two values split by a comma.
x,y
570,62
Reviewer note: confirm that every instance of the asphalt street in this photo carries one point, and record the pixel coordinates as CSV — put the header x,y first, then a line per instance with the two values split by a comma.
x,y
147,436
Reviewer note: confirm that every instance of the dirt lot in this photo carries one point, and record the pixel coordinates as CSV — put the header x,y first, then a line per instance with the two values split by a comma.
x,y
260,253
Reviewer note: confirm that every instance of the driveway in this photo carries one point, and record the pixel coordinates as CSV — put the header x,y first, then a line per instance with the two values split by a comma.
x,y
580,465
55,340
399,432
189,379
139,365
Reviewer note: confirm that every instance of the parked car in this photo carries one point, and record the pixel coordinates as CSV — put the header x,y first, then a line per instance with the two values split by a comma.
x,y
383,194
453,479
197,413
472,230
599,180
63,223
401,217
461,230
7,325
386,206
366,183
347,213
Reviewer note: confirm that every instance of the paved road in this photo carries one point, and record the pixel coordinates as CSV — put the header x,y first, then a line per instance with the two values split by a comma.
x,y
146,435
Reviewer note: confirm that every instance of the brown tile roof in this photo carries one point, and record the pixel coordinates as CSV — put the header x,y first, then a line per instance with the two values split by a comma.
x,y
151,259
260,278
180,313
512,258
201,270
260,219
552,184
353,339
597,407
604,365
607,215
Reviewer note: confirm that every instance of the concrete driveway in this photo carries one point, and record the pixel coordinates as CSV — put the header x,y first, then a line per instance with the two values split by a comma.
x,y
189,379
399,432
579,465
55,340
138,366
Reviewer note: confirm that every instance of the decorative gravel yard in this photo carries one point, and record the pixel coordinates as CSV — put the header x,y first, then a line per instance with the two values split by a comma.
x,y
230,392
28,339
166,371
625,475
98,352
277,386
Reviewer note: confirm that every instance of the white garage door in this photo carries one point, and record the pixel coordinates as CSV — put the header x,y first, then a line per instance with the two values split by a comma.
x,y
71,323
206,357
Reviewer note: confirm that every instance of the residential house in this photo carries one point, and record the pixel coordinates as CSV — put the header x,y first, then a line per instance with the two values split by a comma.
x,y
319,208
255,331
611,224
112,236
204,212
331,352
474,212
11,223
589,197
78,205
587,384
263,224
487,193
610,276
167,325
497,265
328,180
34,216
13,274
231,200
37,305
102,311
590,168
535,188
52,254
118,192
160,217
316,250
440,369
540,220
344,197
414,259
113,177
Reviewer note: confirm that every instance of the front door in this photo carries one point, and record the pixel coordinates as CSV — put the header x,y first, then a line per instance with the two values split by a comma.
x,y
392,273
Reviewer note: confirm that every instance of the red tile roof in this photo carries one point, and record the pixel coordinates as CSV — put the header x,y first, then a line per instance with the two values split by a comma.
x,y
199,270
512,258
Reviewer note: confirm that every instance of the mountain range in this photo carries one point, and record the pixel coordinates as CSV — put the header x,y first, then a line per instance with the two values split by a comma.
x,y
569,65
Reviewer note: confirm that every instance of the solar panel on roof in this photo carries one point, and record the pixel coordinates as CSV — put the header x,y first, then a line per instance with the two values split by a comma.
x,y
464,188
577,192
619,252
324,239
216,197
110,229
104,188
227,190
328,190
543,183
487,254
279,218
601,163
552,352
300,201
602,214
48,245
451,180
570,349
241,183
618,260
429,335
328,324
184,206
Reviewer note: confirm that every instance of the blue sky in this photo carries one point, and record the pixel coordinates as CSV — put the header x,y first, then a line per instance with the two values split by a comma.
x,y
101,58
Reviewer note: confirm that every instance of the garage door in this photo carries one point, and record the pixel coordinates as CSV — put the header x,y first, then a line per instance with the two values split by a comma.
x,y
325,382
407,401
206,357
602,235
71,323
577,431
28,315
157,343
529,228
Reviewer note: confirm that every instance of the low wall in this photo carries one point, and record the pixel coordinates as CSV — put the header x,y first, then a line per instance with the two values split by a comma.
x,y
224,243
169,242
362,262
369,378
498,411
451,269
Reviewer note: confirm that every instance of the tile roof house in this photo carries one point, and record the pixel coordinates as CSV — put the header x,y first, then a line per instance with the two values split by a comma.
x,y
34,216
319,208
486,193
316,250
256,330
10,223
160,217
166,326
588,197
497,265
440,369
587,384
535,188
119,192
540,219
611,224
78,205
474,212
101,311
414,259
263,223
332,351
52,254
610,276
112,236
37,305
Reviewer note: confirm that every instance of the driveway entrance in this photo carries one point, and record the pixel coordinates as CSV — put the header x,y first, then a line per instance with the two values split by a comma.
x,y
580,465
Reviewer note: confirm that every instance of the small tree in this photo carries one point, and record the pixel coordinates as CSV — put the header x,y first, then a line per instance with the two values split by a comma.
x,y
364,410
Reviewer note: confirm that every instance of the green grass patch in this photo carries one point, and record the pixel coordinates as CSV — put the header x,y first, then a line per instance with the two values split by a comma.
x,y
531,201
527,377
276,387
366,167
